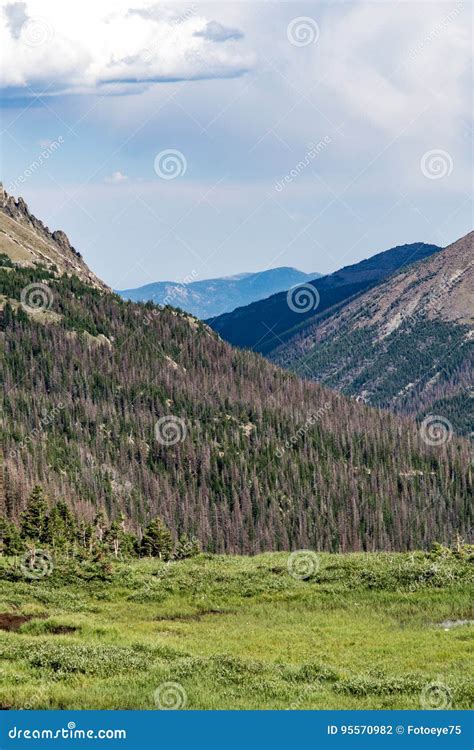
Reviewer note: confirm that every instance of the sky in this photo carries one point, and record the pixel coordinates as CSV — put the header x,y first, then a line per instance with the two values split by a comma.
x,y
201,140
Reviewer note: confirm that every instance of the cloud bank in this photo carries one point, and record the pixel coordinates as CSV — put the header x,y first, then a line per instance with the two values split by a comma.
x,y
56,47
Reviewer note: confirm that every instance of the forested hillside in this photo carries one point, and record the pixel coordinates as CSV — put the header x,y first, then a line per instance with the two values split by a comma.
x,y
406,345
141,411
264,325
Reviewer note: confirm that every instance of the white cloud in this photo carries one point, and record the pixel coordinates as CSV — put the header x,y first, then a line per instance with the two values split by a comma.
x,y
110,47
387,61
216,32
116,177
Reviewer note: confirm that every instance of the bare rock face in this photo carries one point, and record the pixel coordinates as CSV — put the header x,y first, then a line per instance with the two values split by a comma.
x,y
26,240
62,240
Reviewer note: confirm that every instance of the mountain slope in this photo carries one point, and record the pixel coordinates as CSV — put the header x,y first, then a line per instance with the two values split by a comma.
x,y
406,345
212,297
263,326
27,241
140,411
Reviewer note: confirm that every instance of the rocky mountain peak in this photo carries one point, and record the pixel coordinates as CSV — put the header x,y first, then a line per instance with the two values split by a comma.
x,y
28,241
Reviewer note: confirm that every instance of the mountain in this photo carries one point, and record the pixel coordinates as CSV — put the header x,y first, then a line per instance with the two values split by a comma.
x,y
406,345
263,326
212,297
27,241
137,410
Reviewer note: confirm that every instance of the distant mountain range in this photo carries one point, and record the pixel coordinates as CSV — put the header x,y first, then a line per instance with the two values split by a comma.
x,y
407,344
265,325
212,297
137,410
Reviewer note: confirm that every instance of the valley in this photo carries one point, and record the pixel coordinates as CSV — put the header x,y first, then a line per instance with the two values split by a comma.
x,y
185,525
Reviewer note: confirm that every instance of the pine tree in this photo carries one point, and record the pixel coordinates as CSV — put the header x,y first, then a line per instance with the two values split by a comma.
x,y
10,539
186,547
60,527
157,540
33,518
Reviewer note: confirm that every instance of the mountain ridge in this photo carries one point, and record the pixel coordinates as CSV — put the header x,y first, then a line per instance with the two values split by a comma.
x,y
28,241
406,344
265,325
209,298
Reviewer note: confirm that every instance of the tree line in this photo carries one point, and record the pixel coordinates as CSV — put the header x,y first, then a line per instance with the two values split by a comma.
x,y
58,529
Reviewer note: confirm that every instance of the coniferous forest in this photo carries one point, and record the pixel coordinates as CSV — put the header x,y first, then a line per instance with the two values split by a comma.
x,y
134,413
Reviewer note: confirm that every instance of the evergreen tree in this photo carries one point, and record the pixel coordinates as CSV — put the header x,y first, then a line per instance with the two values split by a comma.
x,y
10,540
157,540
33,518
117,540
60,527
186,547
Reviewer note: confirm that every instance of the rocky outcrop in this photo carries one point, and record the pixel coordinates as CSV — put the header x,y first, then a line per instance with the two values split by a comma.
x,y
27,241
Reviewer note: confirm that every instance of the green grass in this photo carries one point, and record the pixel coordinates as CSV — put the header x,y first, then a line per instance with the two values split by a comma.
x,y
236,632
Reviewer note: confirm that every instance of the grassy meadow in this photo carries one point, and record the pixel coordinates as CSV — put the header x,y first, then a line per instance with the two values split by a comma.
x,y
363,631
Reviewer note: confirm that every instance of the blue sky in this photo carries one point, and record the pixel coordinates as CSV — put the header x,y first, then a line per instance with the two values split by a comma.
x,y
211,139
